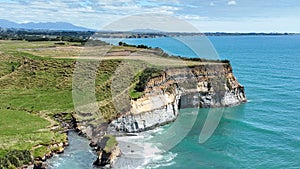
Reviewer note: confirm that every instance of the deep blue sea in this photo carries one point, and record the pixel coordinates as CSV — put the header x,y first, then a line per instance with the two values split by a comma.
x,y
262,133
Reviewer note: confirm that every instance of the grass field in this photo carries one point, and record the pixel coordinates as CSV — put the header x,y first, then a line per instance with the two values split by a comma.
x,y
24,131
32,89
21,130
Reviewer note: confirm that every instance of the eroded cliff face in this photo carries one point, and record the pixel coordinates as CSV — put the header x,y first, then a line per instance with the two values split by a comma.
x,y
204,86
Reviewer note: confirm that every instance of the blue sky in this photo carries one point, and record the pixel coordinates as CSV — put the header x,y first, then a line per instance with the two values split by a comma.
x,y
205,15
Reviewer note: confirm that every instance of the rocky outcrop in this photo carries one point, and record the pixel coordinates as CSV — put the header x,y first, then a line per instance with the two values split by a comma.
x,y
108,151
55,148
203,86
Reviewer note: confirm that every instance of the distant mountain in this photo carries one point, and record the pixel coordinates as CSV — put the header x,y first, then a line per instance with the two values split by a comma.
x,y
42,25
8,24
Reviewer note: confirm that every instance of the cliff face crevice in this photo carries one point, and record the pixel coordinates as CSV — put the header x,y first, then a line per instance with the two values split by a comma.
x,y
204,86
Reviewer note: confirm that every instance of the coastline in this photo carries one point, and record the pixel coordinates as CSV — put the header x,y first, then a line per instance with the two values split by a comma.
x,y
167,110
78,155
162,88
245,127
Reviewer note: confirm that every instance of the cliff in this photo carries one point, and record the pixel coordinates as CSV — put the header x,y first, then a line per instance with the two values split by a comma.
x,y
202,86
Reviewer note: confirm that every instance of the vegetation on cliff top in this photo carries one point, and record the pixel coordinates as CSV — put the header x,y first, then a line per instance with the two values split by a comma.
x,y
111,143
140,81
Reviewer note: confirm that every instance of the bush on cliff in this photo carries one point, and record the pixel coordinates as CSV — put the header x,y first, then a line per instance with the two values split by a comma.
x,y
15,158
141,80
144,77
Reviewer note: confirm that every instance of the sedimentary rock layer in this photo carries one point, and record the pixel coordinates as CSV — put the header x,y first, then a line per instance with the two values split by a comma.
x,y
203,86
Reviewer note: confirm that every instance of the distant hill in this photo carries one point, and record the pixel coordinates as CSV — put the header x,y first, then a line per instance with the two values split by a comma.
x,y
146,31
42,25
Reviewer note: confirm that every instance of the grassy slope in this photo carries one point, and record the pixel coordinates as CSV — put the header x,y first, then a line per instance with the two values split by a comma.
x,y
31,88
22,131
35,87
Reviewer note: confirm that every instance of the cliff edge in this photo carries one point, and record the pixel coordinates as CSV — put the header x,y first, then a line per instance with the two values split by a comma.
x,y
201,86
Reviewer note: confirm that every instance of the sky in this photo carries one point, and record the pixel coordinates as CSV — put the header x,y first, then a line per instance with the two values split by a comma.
x,y
204,15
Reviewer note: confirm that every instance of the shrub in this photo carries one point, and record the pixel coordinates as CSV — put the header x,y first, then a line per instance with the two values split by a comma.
x,y
147,74
15,158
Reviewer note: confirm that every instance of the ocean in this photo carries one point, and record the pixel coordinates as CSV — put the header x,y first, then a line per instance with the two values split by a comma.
x,y
262,133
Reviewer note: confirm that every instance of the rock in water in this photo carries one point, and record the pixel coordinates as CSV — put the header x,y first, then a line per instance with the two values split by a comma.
x,y
108,151
39,165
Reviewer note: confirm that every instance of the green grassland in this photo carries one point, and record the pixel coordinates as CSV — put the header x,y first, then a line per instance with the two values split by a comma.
x,y
33,89
24,131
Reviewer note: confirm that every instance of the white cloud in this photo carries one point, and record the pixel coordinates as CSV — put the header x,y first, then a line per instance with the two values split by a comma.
x,y
231,2
97,13
151,21
191,17
249,25
92,13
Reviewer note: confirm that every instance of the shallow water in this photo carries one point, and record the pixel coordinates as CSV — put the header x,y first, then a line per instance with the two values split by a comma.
x,y
76,156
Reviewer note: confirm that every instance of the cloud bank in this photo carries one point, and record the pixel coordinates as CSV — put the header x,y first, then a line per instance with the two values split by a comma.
x,y
203,14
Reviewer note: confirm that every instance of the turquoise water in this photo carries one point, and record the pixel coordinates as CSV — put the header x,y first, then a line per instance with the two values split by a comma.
x,y
263,133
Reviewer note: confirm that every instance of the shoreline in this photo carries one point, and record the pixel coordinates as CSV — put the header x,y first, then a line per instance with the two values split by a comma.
x,y
162,95
41,162
78,153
